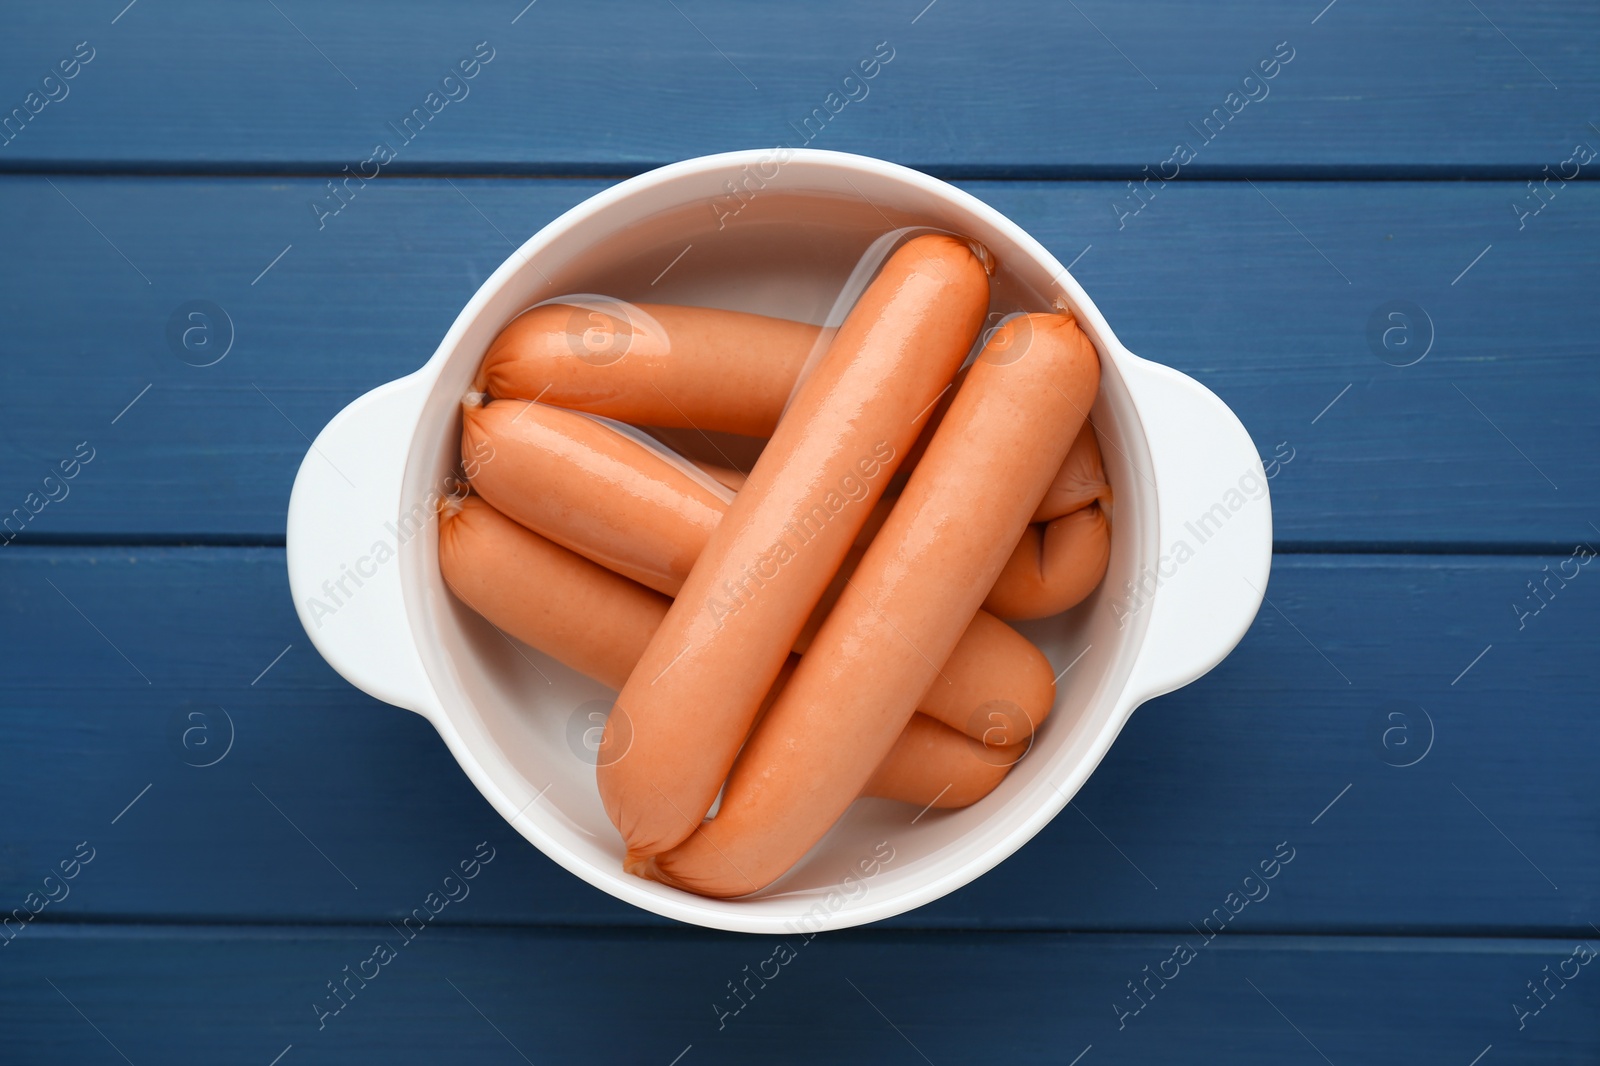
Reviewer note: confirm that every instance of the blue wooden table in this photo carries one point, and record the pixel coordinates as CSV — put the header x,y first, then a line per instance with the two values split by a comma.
x,y
1370,228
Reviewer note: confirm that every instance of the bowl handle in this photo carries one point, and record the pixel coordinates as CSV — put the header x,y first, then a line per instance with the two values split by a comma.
x,y
1214,530
344,532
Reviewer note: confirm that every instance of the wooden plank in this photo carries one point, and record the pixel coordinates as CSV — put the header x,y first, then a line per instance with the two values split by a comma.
x,y
1488,441
1027,88
328,806
239,994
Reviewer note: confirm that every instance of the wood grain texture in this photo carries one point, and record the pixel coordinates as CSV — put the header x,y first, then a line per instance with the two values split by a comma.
x,y
332,807
176,994
1419,728
1488,442
1022,88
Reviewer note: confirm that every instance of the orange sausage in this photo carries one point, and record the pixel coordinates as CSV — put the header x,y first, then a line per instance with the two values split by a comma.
x,y
694,694
984,473
591,489
1054,567
528,587
573,610
931,765
1063,555
995,686
1080,481
614,501
653,364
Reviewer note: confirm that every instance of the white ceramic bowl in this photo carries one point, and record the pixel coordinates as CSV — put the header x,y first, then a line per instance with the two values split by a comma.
x,y
771,231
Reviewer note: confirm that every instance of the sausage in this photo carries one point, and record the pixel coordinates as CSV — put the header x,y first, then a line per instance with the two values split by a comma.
x,y
1058,562
1063,554
995,686
589,488
1080,481
1055,566
653,364
528,586
690,701
932,765
573,610
984,473
619,504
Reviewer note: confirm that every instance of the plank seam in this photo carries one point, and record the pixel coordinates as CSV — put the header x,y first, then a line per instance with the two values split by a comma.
x,y
1304,173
